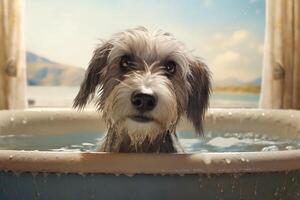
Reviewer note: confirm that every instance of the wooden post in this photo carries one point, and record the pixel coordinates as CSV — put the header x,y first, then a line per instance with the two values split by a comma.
x,y
12,56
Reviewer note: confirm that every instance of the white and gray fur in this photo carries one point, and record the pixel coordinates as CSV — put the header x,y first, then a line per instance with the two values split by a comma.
x,y
154,64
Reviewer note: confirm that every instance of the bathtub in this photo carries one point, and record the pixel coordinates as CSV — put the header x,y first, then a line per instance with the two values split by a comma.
x,y
91,175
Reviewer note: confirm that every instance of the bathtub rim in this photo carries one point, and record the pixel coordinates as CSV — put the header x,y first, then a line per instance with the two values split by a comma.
x,y
195,163
282,120
164,164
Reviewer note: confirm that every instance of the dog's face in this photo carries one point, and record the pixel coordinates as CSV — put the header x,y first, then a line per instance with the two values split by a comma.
x,y
146,81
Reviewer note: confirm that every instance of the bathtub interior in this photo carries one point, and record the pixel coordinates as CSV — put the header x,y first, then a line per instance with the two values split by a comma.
x,y
88,141
225,131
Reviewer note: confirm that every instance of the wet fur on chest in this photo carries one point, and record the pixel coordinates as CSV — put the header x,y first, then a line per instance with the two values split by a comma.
x,y
163,143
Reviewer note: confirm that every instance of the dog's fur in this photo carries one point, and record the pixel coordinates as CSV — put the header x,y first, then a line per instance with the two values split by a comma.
x,y
182,89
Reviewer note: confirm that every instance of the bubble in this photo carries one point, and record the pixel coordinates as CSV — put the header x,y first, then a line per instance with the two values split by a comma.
x,y
82,174
87,144
76,146
131,175
227,160
289,147
270,148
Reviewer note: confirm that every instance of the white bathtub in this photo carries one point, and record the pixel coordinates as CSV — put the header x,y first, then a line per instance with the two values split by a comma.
x,y
78,175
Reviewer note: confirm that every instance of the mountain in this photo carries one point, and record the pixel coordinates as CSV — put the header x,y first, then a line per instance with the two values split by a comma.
x,y
237,86
256,82
42,71
236,82
228,82
33,58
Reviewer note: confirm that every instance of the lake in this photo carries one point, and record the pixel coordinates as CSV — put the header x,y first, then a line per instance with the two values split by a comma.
x,y
61,96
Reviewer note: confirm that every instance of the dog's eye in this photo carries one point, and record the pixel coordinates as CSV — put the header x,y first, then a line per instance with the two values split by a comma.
x,y
170,67
126,62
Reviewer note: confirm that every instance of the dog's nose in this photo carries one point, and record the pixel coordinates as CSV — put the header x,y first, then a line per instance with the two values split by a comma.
x,y
143,102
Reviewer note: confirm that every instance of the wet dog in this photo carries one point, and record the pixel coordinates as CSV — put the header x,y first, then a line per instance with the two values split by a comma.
x,y
144,82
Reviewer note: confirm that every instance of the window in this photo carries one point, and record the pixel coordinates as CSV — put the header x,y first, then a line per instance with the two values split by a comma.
x,y
61,36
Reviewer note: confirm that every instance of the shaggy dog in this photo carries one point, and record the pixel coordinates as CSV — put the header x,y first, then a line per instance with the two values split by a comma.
x,y
144,83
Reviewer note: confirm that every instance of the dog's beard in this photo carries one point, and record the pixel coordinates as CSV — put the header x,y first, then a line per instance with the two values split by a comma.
x,y
138,132
118,109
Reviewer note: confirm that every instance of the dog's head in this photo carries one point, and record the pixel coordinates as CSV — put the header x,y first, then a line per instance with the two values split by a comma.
x,y
145,81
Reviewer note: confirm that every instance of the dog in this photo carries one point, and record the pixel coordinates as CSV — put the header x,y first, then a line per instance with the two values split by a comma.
x,y
144,82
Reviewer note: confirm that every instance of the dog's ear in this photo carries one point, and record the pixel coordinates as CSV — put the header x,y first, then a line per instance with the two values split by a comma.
x,y
198,102
93,76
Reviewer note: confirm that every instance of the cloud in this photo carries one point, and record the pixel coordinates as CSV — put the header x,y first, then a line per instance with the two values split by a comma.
x,y
256,47
208,3
237,54
228,59
236,38
229,64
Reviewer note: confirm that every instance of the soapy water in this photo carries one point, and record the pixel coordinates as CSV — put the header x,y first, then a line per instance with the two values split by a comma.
x,y
210,142
238,142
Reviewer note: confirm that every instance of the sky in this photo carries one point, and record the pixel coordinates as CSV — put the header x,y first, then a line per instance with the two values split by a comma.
x,y
227,34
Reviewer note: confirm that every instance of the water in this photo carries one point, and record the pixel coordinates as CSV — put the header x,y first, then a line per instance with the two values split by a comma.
x,y
237,142
51,96
211,142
